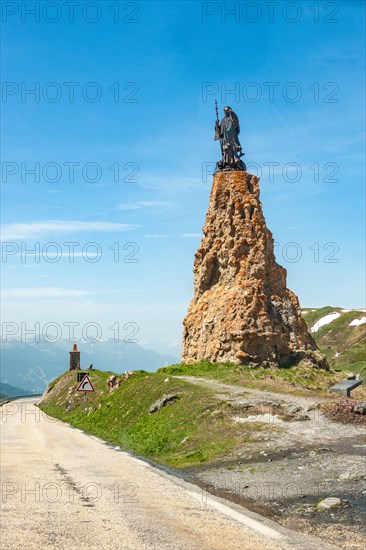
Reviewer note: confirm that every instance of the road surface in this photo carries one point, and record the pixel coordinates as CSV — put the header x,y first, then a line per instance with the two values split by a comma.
x,y
64,489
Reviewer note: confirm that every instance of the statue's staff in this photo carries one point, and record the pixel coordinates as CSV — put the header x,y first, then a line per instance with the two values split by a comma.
x,y
217,125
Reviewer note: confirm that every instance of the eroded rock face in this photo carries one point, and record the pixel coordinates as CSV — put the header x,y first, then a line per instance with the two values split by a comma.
x,y
241,311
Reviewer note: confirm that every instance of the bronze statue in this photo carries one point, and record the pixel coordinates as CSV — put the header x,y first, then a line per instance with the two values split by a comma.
x,y
227,132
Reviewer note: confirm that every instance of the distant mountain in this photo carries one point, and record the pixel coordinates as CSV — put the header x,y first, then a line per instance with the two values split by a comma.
x,y
32,365
10,391
341,335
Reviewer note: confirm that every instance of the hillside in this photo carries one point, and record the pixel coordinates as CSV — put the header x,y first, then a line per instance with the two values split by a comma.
x,y
178,436
32,365
341,335
196,427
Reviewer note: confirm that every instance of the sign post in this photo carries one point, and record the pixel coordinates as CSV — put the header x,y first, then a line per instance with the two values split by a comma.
x,y
85,387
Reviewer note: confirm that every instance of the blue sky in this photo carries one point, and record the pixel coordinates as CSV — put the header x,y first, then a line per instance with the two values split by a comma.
x,y
296,82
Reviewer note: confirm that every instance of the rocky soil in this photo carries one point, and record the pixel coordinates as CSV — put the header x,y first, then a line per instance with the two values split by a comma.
x,y
297,458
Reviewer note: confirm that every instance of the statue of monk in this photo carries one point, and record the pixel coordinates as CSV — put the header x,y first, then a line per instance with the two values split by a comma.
x,y
227,131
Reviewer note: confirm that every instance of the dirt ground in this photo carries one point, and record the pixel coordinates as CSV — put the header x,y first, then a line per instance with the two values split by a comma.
x,y
293,464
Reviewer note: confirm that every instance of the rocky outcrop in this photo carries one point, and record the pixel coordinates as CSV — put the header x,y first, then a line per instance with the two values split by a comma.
x,y
242,311
162,402
114,382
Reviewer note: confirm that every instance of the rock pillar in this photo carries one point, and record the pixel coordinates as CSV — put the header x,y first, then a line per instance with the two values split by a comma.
x,y
241,310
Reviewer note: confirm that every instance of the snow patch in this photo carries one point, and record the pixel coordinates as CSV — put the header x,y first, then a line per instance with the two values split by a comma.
x,y
324,321
357,322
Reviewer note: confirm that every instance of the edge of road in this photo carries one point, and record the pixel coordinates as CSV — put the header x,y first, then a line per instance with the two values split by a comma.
x,y
289,539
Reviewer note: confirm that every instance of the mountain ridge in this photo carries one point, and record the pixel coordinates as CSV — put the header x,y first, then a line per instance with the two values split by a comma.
x,y
32,365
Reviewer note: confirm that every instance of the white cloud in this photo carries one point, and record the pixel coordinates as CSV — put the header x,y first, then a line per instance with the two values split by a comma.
x,y
18,231
42,292
190,235
141,204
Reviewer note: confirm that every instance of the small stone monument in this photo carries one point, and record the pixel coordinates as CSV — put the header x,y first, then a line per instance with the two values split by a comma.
x,y
74,358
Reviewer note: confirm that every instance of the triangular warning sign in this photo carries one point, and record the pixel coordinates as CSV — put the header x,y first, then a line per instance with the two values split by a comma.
x,y
85,384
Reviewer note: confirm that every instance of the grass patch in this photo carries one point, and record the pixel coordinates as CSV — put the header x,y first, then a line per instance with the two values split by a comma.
x,y
344,345
296,380
195,429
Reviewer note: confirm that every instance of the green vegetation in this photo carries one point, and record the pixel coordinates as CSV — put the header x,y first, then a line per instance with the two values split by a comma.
x,y
196,428
314,315
344,346
295,380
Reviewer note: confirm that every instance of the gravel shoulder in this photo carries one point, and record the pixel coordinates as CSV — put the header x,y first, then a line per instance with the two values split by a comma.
x,y
293,464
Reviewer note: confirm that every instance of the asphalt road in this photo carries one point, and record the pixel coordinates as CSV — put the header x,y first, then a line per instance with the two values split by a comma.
x,y
64,489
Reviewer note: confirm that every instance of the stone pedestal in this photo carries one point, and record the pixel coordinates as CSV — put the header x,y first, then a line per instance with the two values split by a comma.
x,y
74,358
241,311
